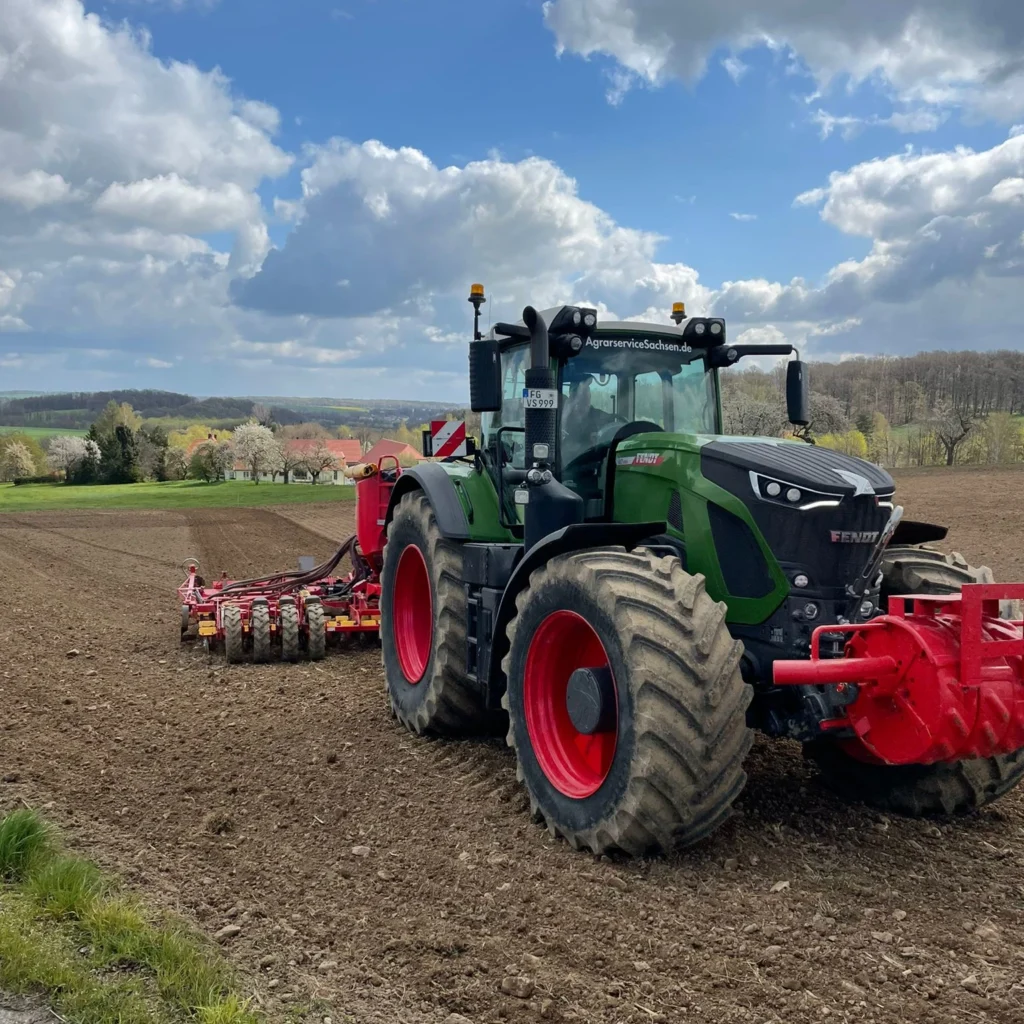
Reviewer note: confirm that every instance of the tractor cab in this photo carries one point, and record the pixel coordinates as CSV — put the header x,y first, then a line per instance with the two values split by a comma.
x,y
627,381
612,381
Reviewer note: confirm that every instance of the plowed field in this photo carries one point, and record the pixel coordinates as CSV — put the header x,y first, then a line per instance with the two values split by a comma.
x,y
239,794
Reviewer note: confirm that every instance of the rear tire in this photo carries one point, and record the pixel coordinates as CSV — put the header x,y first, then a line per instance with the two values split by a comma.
x,y
233,637
317,640
423,626
289,616
670,772
260,632
920,790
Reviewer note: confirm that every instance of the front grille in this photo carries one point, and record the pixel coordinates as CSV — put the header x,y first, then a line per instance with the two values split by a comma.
x,y
743,566
674,516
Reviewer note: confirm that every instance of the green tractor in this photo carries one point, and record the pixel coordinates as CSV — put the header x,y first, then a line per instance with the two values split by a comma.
x,y
631,594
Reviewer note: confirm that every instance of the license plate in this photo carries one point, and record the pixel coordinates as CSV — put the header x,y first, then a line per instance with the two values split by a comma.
x,y
540,398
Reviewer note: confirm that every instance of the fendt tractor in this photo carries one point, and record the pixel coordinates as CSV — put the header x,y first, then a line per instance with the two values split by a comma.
x,y
630,594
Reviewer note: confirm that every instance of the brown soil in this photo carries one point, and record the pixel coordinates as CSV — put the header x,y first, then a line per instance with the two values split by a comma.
x,y
238,794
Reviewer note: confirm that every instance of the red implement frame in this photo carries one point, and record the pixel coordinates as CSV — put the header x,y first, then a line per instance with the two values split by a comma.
x,y
940,678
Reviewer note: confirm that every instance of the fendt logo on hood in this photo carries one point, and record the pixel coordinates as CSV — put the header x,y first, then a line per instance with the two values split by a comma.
x,y
854,536
640,459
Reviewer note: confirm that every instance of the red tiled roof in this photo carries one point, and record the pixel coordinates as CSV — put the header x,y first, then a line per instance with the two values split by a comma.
x,y
193,445
348,451
385,447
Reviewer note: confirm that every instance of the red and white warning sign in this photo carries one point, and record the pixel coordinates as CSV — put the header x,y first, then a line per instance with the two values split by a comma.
x,y
447,438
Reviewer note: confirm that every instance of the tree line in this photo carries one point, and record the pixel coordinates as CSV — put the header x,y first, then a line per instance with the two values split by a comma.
x,y
949,414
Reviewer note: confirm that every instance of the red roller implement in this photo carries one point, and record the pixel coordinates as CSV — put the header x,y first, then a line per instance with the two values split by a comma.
x,y
938,678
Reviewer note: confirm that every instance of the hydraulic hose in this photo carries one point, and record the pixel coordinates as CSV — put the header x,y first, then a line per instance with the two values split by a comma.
x,y
289,580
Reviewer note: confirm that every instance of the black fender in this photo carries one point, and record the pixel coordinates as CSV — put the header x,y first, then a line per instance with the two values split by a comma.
x,y
577,537
908,533
439,488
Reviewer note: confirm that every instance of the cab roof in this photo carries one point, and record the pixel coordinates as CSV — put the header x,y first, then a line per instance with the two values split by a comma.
x,y
618,326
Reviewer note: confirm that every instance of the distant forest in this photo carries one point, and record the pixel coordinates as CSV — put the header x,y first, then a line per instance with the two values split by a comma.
x,y
904,389
926,409
935,407
78,410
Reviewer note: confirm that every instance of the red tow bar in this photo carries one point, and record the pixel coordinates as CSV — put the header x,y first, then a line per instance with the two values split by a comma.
x,y
939,678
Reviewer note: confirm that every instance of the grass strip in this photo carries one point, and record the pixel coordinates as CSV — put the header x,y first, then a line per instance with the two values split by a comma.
x,y
96,954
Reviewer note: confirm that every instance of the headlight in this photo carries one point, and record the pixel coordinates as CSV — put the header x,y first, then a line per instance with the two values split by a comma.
x,y
793,495
698,328
773,489
716,328
590,320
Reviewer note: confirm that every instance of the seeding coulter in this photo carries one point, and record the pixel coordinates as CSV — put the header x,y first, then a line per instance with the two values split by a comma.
x,y
628,594
292,614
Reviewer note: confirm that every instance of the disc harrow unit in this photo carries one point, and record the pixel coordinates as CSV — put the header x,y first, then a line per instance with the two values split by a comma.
x,y
296,614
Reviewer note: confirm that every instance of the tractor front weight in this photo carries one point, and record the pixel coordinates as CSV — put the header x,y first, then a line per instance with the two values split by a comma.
x,y
937,679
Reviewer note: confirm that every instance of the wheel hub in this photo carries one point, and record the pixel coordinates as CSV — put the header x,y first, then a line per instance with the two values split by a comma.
x,y
590,700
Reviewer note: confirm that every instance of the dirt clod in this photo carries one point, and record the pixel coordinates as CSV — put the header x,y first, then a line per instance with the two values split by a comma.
x,y
519,987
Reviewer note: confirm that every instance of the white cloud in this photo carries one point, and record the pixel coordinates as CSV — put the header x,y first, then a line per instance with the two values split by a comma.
x,y
734,67
401,231
33,189
743,216
406,236
909,122
946,260
936,53
891,199
113,166
173,204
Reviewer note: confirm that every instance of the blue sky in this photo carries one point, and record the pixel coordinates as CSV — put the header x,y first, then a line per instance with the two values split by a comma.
x,y
296,196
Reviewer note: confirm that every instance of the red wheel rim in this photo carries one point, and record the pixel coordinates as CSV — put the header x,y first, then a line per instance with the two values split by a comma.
x,y
412,610
575,763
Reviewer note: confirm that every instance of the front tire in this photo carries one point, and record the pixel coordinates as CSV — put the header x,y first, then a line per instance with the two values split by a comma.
x,y
423,626
664,765
917,790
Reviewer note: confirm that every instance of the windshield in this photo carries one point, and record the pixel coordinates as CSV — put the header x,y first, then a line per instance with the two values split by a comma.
x,y
616,381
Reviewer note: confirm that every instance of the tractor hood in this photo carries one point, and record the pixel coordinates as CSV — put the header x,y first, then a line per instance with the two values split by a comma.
x,y
820,512
820,472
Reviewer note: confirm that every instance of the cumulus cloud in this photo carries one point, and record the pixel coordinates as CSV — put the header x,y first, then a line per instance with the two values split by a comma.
x,y
939,52
387,230
171,203
114,165
947,234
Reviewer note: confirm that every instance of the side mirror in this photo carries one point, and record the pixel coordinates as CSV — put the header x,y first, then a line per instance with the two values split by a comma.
x,y
798,393
484,376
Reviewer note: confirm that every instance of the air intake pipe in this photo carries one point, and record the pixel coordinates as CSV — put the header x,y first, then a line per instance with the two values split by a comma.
x,y
541,418
550,506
